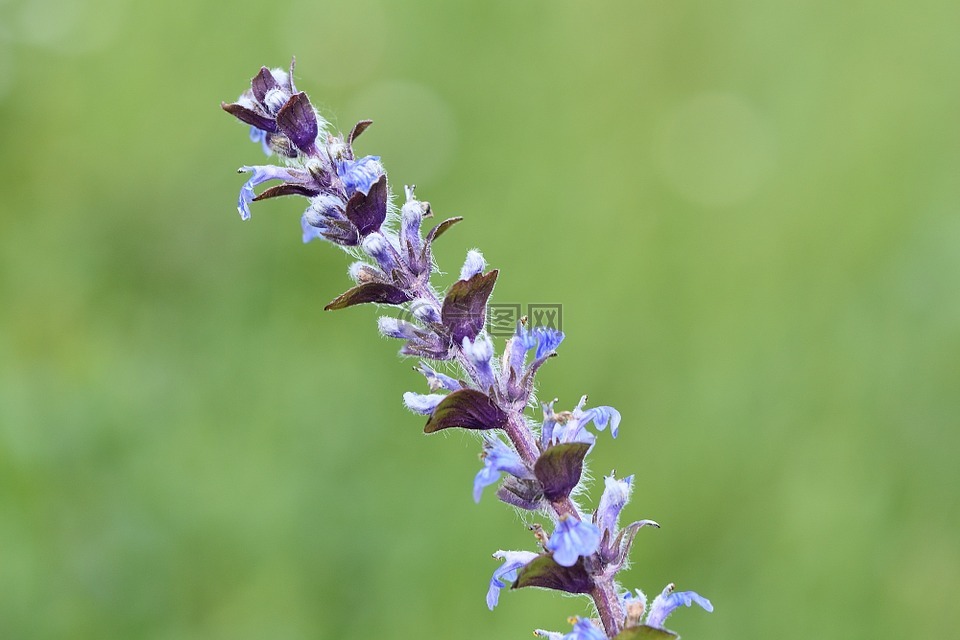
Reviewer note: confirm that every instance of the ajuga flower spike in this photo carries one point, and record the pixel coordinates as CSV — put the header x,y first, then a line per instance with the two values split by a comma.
x,y
539,467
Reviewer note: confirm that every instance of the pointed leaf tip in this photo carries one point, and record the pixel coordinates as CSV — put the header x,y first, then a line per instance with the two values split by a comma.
x,y
443,227
377,292
249,116
298,122
262,83
358,128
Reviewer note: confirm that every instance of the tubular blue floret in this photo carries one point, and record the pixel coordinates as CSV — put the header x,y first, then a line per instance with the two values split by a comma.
x,y
547,340
259,135
584,629
572,539
512,562
601,416
479,352
420,403
310,232
474,264
437,380
411,217
669,600
394,328
380,249
261,174
549,423
616,494
424,310
497,458
359,175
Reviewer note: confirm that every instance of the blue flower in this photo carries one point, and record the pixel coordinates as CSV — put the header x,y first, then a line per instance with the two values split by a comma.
x,y
479,352
669,600
583,629
572,539
310,232
544,339
547,340
601,416
359,175
259,135
437,380
261,174
497,457
423,404
571,426
473,265
616,494
512,562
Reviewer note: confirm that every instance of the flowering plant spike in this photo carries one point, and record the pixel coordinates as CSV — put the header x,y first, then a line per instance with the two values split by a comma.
x,y
539,467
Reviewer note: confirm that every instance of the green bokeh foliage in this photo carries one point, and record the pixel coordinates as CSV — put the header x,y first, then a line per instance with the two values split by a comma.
x,y
750,212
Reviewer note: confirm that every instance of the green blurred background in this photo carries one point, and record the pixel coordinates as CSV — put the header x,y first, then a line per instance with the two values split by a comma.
x,y
749,210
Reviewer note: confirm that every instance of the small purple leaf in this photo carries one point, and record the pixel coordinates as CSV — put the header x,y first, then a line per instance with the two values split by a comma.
x,y
544,572
441,228
467,409
286,189
263,82
465,306
559,468
358,128
249,116
293,63
369,292
523,494
367,212
298,122
430,350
